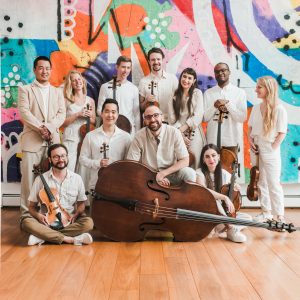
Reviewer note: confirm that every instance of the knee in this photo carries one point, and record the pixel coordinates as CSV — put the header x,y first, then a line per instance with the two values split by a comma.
x,y
188,174
87,224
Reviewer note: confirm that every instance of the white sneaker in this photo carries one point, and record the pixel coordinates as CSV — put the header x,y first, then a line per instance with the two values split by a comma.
x,y
33,240
234,235
83,239
263,217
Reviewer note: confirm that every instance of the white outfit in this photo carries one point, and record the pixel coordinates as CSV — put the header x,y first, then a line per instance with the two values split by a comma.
x,y
164,90
91,154
127,96
232,127
271,193
194,121
71,136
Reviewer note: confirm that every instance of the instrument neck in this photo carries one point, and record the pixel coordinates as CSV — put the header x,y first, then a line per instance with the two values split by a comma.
x,y
47,189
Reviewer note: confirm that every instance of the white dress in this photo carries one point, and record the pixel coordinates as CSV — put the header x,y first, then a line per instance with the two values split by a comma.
x,y
198,139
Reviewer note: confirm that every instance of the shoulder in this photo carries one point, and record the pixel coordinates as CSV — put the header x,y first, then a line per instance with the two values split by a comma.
x,y
237,89
197,93
211,90
280,108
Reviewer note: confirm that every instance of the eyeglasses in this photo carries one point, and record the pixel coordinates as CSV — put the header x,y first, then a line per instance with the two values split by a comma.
x,y
57,157
221,71
149,117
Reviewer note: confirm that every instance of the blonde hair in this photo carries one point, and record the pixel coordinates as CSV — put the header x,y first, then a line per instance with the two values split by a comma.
x,y
271,101
68,90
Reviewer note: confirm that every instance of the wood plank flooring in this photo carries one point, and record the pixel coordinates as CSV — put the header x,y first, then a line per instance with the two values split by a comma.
x,y
267,266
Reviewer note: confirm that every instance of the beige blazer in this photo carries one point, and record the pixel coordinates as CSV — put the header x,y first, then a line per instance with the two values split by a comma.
x,y
31,107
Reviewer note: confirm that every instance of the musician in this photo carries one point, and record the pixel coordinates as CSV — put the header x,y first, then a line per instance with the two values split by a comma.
x,y
267,130
186,113
127,94
42,111
165,83
79,107
211,175
72,198
106,144
232,100
161,147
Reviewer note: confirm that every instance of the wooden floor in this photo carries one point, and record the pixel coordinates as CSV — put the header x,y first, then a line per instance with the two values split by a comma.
x,y
266,267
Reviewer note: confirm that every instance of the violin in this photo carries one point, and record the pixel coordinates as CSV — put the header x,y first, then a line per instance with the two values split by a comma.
x,y
151,86
252,189
190,133
122,121
57,217
84,129
128,202
234,196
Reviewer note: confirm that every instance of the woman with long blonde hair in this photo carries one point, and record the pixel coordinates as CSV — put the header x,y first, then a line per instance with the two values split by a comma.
x,y
79,107
267,130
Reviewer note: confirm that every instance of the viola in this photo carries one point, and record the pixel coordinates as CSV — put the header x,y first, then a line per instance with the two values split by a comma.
x,y
57,217
252,189
122,121
84,129
151,86
128,202
234,196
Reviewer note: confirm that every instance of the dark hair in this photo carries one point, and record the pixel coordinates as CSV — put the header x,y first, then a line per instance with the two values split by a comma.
x,y
155,50
222,63
110,101
177,100
41,58
123,58
205,171
55,146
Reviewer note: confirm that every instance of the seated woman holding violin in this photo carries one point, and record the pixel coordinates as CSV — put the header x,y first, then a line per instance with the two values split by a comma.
x,y
211,175
56,212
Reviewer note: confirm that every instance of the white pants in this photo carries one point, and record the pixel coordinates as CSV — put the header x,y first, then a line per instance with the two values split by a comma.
x,y
271,193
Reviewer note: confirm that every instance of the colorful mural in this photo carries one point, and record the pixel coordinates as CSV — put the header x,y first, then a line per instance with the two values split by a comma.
x,y
256,38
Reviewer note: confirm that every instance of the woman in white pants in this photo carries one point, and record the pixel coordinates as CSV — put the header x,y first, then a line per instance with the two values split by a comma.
x,y
185,112
267,130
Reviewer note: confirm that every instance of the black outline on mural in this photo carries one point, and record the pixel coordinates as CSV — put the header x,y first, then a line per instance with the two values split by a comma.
x,y
117,28
92,39
286,87
58,20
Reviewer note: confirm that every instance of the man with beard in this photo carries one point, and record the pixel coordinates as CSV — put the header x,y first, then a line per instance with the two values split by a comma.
x,y
162,83
71,193
42,110
161,147
127,94
105,144
231,100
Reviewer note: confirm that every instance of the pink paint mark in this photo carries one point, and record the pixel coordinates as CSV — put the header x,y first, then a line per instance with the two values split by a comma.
x,y
263,7
9,115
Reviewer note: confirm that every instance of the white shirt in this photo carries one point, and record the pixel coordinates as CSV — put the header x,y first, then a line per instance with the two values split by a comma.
x,y
127,96
232,127
171,148
70,190
226,177
44,89
163,92
92,150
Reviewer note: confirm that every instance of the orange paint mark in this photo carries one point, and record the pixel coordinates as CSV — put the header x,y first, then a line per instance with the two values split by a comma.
x,y
130,18
62,63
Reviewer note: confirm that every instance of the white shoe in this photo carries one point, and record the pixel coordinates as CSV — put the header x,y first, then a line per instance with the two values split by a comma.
x,y
33,240
83,239
234,235
263,217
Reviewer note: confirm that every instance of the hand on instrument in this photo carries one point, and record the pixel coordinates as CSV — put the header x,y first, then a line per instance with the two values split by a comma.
x,y
104,162
187,141
161,179
45,133
253,147
73,218
42,219
221,102
150,98
229,205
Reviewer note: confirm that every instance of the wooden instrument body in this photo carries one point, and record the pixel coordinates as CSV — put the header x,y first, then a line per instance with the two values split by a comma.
x,y
189,133
252,188
132,180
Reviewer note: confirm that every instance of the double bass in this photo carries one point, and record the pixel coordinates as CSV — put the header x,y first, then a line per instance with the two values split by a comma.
x,y
122,121
57,217
128,202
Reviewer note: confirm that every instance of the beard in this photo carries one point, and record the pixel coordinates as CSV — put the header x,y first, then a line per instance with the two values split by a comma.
x,y
154,126
59,165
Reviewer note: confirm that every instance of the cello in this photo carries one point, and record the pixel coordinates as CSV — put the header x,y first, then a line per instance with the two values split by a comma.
x,y
57,217
122,121
128,202
252,188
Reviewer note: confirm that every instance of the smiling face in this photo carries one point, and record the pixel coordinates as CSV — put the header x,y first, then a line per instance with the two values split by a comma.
x,y
153,118
109,114
123,70
187,80
261,91
76,82
59,158
155,61
211,158
222,74
42,71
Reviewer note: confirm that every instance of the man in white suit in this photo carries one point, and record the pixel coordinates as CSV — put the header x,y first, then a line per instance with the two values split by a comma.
x,y
42,111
